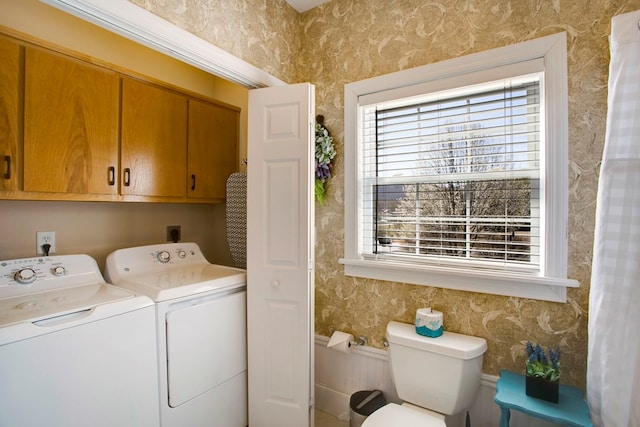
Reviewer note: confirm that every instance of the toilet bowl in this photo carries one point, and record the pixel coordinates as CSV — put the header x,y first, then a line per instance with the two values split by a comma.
x,y
434,377
404,415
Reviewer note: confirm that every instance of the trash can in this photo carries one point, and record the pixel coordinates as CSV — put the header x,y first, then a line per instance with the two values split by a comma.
x,y
364,403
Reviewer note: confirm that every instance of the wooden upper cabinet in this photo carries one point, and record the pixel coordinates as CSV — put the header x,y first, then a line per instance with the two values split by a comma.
x,y
213,149
72,129
153,141
70,125
10,58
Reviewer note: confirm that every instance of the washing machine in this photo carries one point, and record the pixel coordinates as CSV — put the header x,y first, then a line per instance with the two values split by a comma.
x,y
201,329
74,351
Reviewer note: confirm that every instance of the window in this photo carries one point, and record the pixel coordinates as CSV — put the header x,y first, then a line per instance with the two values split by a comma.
x,y
455,176
457,173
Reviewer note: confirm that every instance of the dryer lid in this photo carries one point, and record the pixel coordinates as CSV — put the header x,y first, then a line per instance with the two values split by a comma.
x,y
169,271
182,281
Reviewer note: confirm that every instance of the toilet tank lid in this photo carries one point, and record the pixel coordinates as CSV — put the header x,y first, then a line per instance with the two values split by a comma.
x,y
448,344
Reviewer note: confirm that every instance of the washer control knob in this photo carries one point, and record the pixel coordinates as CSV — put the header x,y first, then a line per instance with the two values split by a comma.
x,y
25,276
163,256
181,254
59,271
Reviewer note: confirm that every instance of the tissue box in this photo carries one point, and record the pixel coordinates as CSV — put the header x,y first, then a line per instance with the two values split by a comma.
x,y
429,322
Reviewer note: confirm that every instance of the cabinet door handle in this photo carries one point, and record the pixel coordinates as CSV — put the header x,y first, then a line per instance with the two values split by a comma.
x,y
7,160
193,182
127,177
112,175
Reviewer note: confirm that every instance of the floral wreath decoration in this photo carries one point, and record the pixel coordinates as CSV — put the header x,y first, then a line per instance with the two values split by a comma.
x,y
325,152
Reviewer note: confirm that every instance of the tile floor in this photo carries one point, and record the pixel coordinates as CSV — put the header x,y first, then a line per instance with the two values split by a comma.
x,y
322,419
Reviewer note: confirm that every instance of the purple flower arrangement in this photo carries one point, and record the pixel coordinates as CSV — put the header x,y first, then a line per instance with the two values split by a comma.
x,y
543,365
324,154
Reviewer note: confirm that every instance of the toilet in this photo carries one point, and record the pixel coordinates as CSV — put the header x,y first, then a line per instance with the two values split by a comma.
x,y
434,377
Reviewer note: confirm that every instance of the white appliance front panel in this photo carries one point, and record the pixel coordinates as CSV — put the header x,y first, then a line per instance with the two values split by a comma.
x,y
224,406
102,374
206,345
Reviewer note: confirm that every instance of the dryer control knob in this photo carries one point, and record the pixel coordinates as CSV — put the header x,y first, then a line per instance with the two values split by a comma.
x,y
25,276
163,256
59,271
182,254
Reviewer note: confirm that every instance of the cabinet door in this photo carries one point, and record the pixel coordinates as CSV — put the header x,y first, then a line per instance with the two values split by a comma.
x,y
71,125
154,141
213,149
9,102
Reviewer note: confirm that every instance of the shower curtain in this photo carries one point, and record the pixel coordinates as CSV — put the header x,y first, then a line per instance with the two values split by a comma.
x,y
613,362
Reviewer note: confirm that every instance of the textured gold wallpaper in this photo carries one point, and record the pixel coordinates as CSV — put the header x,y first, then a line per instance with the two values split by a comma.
x,y
264,33
348,40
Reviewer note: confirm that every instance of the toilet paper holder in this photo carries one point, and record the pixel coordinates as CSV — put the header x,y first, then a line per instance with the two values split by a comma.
x,y
361,341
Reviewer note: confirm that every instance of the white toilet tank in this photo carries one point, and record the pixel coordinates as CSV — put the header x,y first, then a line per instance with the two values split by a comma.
x,y
440,374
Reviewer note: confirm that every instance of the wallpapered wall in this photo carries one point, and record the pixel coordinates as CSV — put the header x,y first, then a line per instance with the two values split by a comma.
x,y
349,40
264,33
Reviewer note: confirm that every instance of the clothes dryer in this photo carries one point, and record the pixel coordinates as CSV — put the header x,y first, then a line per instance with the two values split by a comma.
x,y
201,330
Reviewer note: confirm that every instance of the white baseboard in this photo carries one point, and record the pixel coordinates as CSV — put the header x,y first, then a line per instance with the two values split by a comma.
x,y
332,402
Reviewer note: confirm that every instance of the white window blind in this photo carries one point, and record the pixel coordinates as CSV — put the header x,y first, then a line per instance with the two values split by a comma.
x,y
454,176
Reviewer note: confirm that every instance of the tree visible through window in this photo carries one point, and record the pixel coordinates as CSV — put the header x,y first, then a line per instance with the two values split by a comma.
x,y
458,219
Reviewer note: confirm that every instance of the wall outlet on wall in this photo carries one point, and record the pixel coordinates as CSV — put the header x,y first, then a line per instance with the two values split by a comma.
x,y
45,238
173,233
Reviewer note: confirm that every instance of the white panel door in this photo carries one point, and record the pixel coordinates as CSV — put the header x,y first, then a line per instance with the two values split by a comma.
x,y
280,255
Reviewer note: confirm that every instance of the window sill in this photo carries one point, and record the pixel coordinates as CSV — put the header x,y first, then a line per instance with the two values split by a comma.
x,y
482,281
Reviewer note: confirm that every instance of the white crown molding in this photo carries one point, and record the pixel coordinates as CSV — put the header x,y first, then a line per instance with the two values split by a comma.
x,y
128,20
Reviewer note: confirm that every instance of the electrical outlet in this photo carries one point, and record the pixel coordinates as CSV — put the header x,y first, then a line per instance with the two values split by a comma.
x,y
45,237
173,233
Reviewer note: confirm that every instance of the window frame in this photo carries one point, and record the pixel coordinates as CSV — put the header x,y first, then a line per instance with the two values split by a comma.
x,y
550,52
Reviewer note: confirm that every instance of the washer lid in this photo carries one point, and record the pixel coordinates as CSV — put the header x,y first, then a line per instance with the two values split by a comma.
x,y
41,306
395,415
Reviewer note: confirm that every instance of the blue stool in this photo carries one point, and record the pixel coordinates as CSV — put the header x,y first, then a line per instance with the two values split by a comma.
x,y
571,410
